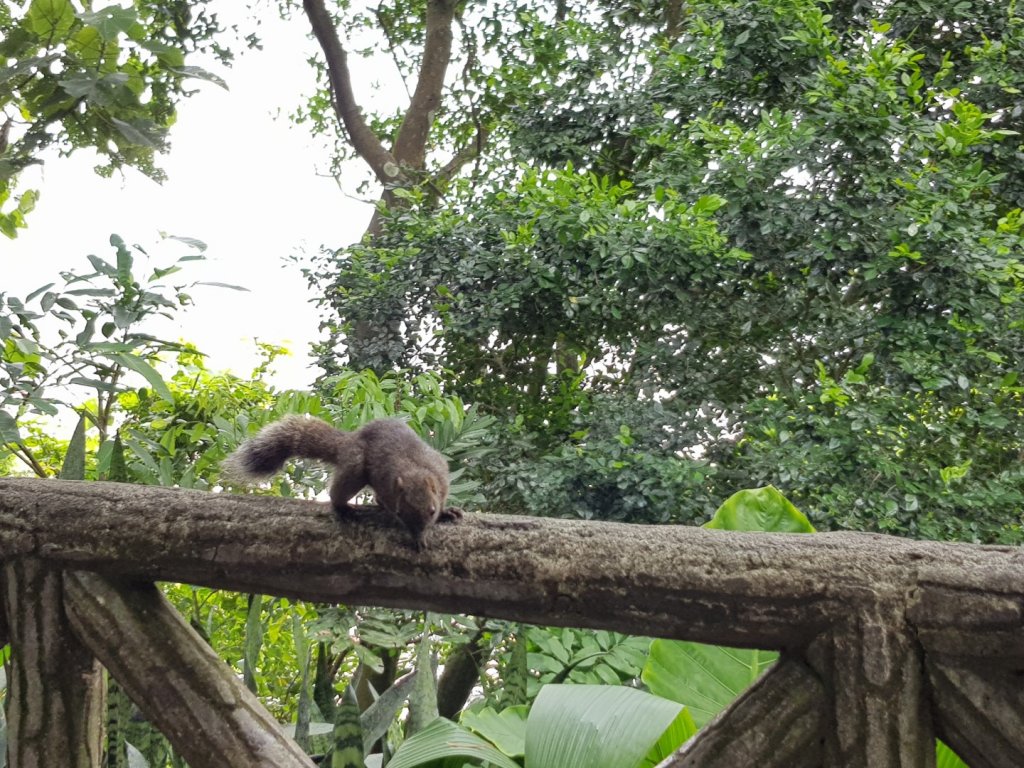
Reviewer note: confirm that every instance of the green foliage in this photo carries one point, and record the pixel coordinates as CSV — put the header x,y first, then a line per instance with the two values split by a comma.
x,y
254,641
444,739
73,467
58,347
946,757
119,708
14,219
583,657
506,729
423,697
706,678
106,79
182,439
347,734
611,727
568,726
759,244
224,619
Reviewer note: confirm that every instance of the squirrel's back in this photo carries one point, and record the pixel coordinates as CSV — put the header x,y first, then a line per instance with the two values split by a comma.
x,y
392,446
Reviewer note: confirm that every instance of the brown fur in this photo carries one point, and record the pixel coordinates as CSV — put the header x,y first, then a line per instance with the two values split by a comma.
x,y
408,477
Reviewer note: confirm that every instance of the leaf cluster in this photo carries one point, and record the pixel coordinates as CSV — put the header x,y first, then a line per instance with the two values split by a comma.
x,y
58,346
107,79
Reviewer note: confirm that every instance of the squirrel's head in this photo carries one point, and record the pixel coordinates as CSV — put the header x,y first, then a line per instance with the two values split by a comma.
x,y
421,498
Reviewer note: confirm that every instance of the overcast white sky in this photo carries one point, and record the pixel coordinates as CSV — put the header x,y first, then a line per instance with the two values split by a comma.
x,y
240,180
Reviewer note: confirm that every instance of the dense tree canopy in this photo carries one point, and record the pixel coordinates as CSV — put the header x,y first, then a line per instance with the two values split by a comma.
x,y
714,248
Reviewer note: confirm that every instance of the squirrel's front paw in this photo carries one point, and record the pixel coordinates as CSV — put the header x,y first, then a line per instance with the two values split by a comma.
x,y
450,515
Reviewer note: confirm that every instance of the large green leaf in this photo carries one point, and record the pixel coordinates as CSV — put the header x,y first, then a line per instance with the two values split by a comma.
x,y
376,719
50,18
111,21
444,739
423,697
505,729
254,631
760,509
602,726
706,678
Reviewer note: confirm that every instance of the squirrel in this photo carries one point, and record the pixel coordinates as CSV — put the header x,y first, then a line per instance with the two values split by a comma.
x,y
408,477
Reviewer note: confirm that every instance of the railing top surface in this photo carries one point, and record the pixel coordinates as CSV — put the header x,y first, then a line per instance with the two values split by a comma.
x,y
744,588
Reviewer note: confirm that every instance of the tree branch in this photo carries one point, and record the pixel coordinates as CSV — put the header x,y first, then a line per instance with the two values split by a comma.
x,y
411,141
363,139
469,152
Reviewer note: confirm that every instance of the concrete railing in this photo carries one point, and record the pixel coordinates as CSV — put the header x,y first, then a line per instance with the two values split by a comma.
x,y
886,643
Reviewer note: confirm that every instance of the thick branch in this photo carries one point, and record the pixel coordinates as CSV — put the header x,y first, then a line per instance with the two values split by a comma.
x,y
980,713
776,723
469,152
177,680
411,142
364,140
727,587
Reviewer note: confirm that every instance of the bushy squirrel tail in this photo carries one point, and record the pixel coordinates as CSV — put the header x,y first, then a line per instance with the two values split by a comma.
x,y
265,453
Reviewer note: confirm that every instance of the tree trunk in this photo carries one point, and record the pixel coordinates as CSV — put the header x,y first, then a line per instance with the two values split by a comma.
x,y
403,164
461,674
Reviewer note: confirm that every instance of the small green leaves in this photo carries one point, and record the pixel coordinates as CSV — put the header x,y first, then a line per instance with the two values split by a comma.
x,y
107,79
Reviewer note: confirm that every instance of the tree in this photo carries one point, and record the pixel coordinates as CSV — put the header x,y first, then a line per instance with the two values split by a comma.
x,y
751,243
